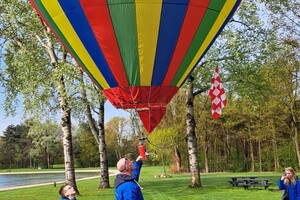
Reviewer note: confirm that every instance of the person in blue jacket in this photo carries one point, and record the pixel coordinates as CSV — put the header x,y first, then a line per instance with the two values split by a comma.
x,y
290,184
67,192
126,182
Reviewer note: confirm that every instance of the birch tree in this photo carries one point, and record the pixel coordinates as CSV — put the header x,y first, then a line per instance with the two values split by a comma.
x,y
96,126
36,69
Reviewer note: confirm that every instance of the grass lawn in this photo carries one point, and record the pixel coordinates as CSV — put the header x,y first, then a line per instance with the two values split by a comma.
x,y
214,187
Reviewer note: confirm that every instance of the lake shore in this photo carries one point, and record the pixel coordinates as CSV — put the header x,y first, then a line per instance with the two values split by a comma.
x,y
111,173
49,172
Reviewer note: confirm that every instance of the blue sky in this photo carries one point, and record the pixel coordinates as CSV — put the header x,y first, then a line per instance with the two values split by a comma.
x,y
110,112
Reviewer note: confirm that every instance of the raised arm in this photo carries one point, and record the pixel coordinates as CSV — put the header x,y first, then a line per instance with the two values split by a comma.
x,y
137,168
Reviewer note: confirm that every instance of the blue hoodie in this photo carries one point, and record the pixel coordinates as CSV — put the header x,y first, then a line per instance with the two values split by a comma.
x,y
126,187
64,198
292,190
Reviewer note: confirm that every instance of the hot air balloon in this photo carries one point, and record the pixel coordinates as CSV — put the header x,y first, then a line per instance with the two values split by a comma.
x,y
137,52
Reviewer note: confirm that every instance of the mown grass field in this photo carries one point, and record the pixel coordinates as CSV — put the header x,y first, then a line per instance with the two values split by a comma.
x,y
215,186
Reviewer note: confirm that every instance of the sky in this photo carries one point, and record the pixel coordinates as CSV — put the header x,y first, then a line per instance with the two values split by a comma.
x,y
110,112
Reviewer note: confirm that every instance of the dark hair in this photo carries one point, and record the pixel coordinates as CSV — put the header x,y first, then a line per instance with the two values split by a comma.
x,y
61,190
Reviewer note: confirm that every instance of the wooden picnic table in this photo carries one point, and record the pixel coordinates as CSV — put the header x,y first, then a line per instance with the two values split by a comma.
x,y
235,181
246,182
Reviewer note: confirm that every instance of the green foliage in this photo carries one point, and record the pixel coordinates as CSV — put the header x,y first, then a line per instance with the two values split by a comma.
x,y
121,142
15,147
88,153
287,155
46,140
31,145
162,145
285,18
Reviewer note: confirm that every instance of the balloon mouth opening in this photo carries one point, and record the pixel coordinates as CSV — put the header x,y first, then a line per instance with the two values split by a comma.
x,y
149,101
140,97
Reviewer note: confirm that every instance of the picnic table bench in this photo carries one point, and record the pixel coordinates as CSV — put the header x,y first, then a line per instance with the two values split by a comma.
x,y
236,181
246,182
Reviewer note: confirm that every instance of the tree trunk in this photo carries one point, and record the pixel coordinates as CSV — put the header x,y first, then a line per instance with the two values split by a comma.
x,y
65,113
296,137
118,154
274,146
164,163
65,124
237,148
275,151
245,151
176,163
251,156
296,141
67,134
206,146
225,146
48,161
104,173
259,157
191,137
99,134
215,150
45,159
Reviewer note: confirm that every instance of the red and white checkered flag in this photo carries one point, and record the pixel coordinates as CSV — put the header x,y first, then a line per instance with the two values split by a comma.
x,y
217,95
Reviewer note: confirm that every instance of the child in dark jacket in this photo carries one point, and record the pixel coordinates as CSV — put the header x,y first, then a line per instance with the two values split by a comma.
x,y
67,192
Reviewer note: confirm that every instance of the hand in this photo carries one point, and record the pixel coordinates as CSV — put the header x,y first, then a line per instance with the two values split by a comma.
x,y
139,158
70,193
283,177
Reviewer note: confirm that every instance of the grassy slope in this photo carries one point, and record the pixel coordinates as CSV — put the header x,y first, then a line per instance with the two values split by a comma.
x,y
214,187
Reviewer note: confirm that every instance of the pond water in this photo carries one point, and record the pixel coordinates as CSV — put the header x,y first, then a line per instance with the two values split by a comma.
x,y
13,180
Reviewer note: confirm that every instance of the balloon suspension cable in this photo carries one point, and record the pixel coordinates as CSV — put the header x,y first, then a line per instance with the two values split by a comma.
x,y
143,138
149,107
135,106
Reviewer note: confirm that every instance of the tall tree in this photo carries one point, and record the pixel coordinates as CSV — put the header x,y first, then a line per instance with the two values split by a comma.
x,y
162,146
285,20
97,129
191,136
15,147
288,83
118,136
46,138
174,115
247,41
38,69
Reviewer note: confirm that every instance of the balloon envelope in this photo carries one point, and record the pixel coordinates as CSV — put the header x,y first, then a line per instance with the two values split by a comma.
x,y
138,52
